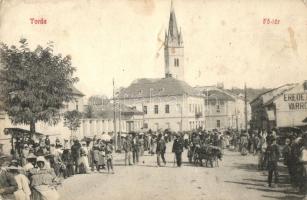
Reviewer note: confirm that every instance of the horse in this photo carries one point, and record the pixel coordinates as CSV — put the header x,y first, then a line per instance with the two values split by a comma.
x,y
211,155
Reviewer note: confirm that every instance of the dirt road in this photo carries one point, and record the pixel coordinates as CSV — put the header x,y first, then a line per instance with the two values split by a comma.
x,y
236,178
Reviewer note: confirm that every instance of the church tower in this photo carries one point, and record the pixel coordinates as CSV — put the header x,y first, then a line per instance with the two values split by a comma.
x,y
173,49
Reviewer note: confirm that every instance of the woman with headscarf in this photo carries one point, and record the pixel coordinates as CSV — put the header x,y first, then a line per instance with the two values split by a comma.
x,y
43,182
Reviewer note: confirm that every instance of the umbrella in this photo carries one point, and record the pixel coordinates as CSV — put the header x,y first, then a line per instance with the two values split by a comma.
x,y
105,137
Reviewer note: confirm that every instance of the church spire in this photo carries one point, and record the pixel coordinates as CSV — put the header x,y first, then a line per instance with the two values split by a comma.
x,y
173,35
173,49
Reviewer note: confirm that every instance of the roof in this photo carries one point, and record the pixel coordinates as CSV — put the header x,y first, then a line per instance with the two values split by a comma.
x,y
16,132
144,88
274,93
173,37
77,92
107,110
214,93
221,95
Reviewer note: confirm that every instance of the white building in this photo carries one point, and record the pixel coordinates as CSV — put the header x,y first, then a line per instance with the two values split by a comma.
x,y
58,130
126,120
223,109
167,103
285,106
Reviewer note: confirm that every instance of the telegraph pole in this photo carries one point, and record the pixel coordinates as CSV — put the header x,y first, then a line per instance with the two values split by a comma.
x,y
245,107
114,116
120,122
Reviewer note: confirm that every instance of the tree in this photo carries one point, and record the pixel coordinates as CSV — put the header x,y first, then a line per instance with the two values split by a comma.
x,y
34,84
72,120
98,100
89,112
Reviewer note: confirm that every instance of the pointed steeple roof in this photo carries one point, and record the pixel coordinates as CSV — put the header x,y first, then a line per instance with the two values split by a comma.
x,y
173,35
172,26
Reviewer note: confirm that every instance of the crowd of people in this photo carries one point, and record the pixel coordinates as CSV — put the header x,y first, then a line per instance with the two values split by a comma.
x,y
38,166
272,149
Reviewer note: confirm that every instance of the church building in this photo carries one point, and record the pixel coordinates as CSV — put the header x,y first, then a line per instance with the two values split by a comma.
x,y
169,102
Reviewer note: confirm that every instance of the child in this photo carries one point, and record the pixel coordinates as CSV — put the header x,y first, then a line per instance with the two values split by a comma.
x,y
109,157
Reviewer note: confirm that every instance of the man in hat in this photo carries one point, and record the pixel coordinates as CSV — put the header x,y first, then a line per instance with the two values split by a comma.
x,y
135,149
47,142
178,149
75,153
161,148
25,153
127,146
272,155
298,164
68,162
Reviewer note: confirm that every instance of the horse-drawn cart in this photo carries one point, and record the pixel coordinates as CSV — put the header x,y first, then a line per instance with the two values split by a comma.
x,y
210,154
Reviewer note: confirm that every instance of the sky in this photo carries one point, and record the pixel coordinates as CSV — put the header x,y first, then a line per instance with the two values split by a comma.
x,y
224,40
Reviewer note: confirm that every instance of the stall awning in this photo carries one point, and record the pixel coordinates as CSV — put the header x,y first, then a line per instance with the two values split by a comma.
x,y
19,132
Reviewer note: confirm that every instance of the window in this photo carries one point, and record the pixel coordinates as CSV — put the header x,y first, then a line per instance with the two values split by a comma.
x,y
176,62
190,106
218,123
167,108
218,108
156,109
77,105
145,109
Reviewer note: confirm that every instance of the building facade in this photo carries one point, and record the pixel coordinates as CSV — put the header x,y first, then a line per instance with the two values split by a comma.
x,y
167,103
126,120
282,107
224,110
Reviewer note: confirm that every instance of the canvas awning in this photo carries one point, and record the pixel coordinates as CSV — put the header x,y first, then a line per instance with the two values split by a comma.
x,y
19,132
